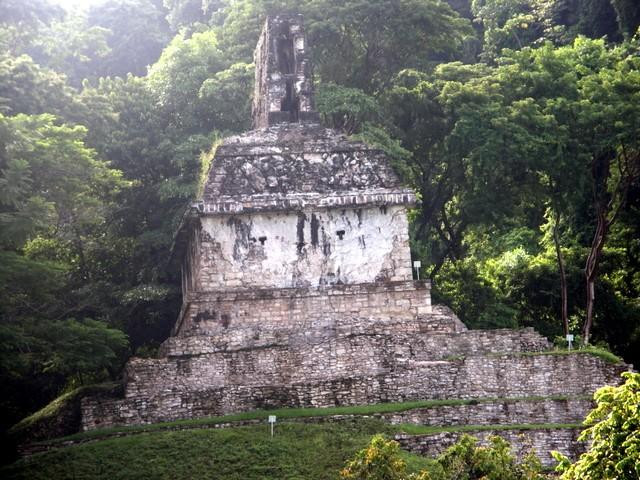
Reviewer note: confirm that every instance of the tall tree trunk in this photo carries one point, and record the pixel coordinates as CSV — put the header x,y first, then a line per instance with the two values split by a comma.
x,y
563,275
591,267
607,205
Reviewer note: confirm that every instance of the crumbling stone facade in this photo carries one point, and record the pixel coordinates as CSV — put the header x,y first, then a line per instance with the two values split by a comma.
x,y
284,87
298,288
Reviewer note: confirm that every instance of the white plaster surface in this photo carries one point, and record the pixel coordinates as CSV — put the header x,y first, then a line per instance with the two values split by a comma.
x,y
374,247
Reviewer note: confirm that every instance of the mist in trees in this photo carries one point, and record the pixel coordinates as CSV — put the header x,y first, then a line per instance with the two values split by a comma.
x,y
515,121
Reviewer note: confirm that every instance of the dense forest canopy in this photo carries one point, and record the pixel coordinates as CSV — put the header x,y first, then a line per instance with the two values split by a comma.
x,y
516,121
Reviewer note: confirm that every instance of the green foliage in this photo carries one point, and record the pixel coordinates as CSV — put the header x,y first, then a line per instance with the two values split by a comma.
x,y
48,178
32,344
628,16
465,460
28,286
613,427
26,87
41,348
506,24
74,48
461,286
379,461
515,24
29,12
229,93
359,44
183,14
21,21
346,109
400,157
178,77
550,114
137,33
76,348
116,37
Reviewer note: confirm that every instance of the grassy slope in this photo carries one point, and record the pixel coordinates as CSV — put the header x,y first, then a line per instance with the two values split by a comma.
x,y
301,413
296,452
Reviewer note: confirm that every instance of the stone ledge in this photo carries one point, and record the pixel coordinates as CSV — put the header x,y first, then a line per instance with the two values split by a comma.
x,y
231,205
231,295
428,337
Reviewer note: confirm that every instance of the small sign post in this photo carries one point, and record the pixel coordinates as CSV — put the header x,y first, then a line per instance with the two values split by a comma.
x,y
416,265
272,421
569,340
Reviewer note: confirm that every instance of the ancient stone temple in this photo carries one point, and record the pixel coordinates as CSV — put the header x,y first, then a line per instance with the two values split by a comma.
x,y
298,288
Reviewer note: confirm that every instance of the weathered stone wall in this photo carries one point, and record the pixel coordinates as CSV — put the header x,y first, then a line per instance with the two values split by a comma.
x,y
266,311
364,370
190,267
540,441
345,370
313,169
498,412
304,249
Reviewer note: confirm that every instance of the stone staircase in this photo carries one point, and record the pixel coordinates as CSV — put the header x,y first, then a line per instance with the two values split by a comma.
x,y
344,360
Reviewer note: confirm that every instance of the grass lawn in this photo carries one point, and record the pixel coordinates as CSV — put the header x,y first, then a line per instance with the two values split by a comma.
x,y
297,451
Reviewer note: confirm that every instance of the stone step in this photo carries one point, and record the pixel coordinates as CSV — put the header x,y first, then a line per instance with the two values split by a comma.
x,y
407,339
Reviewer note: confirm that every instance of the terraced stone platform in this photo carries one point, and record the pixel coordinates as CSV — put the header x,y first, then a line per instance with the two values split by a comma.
x,y
354,362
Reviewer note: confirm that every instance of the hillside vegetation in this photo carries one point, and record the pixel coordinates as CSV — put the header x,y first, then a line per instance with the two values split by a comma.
x,y
296,451
517,122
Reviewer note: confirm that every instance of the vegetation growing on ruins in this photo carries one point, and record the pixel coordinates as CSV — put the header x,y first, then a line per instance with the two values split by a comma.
x,y
613,428
381,460
515,121
602,353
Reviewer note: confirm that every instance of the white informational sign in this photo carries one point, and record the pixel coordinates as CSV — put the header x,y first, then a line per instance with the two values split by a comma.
x,y
417,264
272,421
569,340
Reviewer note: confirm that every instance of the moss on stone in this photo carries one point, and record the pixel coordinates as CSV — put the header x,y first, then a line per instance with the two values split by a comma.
x,y
60,417
601,353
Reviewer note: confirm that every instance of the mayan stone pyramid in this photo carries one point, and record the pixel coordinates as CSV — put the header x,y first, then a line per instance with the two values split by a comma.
x,y
298,289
